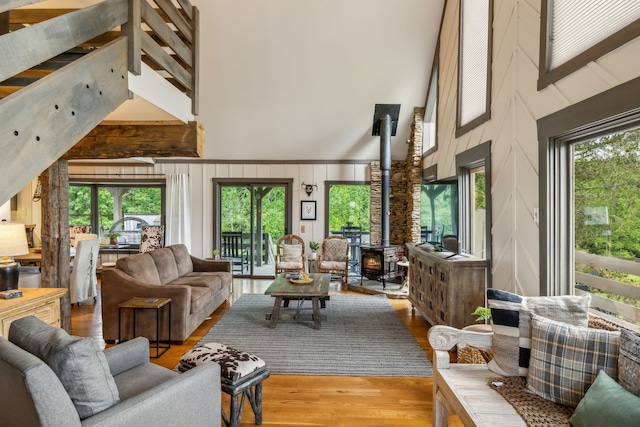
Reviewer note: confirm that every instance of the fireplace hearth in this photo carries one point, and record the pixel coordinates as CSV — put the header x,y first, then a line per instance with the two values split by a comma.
x,y
380,262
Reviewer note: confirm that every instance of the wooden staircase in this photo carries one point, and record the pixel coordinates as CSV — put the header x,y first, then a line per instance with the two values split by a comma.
x,y
63,71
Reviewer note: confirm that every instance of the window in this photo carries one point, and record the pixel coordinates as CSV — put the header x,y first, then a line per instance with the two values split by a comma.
x,y
576,32
349,204
431,110
438,211
120,207
474,69
578,146
474,183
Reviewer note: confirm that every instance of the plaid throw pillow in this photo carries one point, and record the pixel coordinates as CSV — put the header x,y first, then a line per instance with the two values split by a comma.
x,y
565,359
511,314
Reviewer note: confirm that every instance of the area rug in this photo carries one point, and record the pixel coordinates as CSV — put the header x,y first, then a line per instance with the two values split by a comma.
x,y
362,336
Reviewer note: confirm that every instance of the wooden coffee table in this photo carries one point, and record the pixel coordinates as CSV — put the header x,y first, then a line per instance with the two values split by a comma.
x,y
283,289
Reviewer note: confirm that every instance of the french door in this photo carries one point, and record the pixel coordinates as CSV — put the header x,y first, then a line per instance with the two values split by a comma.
x,y
249,217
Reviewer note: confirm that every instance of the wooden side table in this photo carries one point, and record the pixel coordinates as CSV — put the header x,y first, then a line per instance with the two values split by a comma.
x,y
143,303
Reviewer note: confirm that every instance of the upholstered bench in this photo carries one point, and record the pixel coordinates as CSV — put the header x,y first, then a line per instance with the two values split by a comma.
x,y
241,375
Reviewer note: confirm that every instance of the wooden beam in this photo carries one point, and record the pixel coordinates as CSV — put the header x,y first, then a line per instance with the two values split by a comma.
x,y
55,234
120,140
12,4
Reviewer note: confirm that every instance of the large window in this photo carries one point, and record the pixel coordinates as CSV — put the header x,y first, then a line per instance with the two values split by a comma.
x,y
576,32
474,64
117,207
589,177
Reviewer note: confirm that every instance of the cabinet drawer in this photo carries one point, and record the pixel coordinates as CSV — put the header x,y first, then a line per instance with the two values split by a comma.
x,y
49,313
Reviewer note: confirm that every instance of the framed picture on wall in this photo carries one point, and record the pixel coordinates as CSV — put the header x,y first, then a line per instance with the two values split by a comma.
x,y
308,210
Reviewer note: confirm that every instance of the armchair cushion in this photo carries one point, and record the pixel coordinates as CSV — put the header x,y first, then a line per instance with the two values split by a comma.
x,y
566,359
78,362
291,253
335,250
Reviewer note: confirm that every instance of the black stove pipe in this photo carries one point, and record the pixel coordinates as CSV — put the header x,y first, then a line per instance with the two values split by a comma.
x,y
386,125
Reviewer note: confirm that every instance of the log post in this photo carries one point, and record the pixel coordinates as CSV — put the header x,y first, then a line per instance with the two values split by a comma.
x,y
55,234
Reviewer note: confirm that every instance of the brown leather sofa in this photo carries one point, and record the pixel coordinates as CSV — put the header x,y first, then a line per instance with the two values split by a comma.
x,y
196,288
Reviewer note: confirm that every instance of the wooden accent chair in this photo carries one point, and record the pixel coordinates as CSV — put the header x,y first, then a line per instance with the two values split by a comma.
x,y
334,257
290,254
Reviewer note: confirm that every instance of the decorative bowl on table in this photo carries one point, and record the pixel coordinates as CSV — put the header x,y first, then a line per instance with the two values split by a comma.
x,y
302,281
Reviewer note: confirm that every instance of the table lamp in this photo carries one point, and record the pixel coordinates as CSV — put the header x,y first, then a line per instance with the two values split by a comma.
x,y
13,241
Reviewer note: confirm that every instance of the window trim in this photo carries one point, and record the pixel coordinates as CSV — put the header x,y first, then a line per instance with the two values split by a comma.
x,y
547,77
463,129
599,115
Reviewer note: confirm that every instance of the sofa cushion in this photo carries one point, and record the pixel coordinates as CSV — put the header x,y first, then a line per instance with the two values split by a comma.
x,y
629,361
200,297
565,359
140,267
606,403
182,259
510,315
165,264
78,362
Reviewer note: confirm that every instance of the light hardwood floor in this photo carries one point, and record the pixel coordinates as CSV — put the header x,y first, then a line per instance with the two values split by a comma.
x,y
296,400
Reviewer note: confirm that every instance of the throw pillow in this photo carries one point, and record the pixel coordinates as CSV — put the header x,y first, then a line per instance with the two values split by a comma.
x,y
78,362
510,316
565,359
629,361
606,403
291,253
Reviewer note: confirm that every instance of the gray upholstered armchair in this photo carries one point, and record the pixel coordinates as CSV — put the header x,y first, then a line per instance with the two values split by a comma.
x,y
50,378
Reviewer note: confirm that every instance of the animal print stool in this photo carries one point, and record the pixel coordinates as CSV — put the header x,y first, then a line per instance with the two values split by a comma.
x,y
241,374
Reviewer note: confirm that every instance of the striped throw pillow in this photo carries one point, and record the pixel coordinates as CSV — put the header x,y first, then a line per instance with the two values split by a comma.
x,y
511,314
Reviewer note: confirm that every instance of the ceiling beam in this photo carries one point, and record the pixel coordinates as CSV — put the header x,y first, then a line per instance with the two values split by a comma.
x,y
121,140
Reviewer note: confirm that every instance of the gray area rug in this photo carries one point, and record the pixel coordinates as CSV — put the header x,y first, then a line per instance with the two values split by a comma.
x,y
362,336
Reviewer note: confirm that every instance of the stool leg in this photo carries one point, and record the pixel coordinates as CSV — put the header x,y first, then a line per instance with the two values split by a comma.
x,y
235,411
255,398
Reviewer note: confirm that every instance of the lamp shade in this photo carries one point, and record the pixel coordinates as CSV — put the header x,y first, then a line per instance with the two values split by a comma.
x,y
13,240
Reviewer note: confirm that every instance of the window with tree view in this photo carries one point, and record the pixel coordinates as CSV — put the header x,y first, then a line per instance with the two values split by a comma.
x,y
438,211
349,205
116,208
606,222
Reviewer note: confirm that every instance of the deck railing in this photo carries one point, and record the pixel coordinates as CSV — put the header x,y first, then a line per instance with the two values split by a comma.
x,y
608,294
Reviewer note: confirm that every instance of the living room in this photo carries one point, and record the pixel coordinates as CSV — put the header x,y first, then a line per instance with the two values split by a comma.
x,y
328,140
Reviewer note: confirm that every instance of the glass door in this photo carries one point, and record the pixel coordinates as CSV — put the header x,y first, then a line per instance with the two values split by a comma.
x,y
251,217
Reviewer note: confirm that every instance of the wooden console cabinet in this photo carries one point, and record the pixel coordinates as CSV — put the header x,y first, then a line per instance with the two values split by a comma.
x,y
44,303
446,289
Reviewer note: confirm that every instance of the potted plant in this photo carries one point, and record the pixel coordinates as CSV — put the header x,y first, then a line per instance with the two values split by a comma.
x,y
314,246
113,237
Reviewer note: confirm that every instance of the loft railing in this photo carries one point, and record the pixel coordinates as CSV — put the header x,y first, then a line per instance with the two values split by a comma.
x,y
614,284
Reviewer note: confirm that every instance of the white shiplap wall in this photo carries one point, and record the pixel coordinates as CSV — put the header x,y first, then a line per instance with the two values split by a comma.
x,y
516,106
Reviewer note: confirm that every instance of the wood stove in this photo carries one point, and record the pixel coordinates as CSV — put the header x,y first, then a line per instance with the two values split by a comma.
x,y
380,262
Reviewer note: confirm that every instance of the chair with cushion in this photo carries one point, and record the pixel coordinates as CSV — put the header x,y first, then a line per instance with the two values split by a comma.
x,y
84,280
290,254
151,237
51,378
334,258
